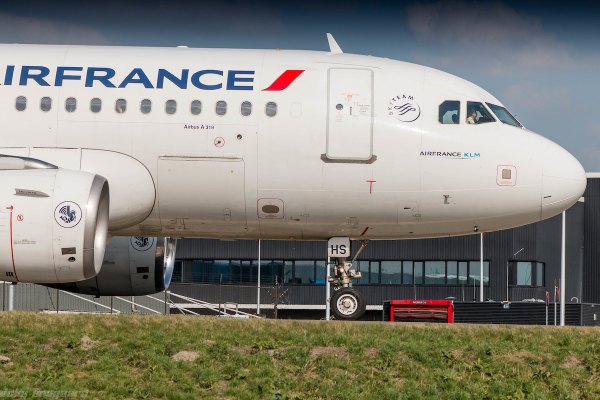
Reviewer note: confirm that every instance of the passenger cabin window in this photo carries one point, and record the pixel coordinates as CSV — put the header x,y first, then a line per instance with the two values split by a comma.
x,y
21,103
121,106
95,105
221,107
271,109
504,116
477,113
46,104
196,107
171,107
71,104
246,108
449,112
146,106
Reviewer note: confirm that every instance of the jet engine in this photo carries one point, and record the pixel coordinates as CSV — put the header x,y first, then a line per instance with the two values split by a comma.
x,y
53,222
133,266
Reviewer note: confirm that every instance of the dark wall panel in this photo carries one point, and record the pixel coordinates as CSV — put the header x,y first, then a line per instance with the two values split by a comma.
x,y
591,267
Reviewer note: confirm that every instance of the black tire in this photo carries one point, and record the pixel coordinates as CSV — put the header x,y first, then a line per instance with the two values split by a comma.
x,y
347,304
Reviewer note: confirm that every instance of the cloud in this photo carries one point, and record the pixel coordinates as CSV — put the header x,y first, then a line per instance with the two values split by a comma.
x,y
15,29
538,97
488,30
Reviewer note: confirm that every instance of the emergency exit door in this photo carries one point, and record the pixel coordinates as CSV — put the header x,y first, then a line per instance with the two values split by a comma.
x,y
350,114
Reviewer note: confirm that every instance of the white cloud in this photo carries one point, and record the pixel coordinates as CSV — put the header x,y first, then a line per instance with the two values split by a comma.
x,y
538,97
489,30
14,29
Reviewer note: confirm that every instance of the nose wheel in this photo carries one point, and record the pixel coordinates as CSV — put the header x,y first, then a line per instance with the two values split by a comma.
x,y
347,304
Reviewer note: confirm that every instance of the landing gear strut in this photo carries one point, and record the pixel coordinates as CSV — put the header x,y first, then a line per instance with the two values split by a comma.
x,y
346,303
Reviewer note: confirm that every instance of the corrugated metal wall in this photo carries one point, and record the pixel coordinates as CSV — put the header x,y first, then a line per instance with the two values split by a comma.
x,y
591,268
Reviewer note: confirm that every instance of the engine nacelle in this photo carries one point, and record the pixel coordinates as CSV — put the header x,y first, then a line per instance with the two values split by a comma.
x,y
133,266
53,222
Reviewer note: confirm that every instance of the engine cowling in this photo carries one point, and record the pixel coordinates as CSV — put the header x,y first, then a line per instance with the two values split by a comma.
x,y
53,222
133,266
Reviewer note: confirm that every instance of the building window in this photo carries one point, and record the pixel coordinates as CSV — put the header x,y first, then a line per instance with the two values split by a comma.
x,y
21,103
46,104
418,272
526,273
311,272
246,108
391,272
171,107
304,272
363,268
177,272
475,270
95,105
120,106
321,272
70,104
452,272
435,272
221,107
271,109
196,107
407,273
375,273
146,106
463,272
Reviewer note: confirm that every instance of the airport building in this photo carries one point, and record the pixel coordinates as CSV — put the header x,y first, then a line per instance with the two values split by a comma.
x,y
519,264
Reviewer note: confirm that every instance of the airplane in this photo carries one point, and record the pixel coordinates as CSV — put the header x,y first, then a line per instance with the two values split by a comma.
x,y
147,145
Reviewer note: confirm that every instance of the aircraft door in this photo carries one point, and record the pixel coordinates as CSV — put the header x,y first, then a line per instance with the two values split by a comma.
x,y
350,114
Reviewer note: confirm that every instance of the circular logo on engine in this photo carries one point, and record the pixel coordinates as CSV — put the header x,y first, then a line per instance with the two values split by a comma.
x,y
404,108
67,214
141,243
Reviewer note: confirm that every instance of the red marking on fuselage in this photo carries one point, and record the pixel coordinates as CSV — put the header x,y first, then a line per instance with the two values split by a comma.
x,y
371,185
284,80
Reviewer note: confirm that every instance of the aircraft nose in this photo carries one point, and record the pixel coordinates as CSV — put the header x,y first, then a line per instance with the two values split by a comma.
x,y
563,180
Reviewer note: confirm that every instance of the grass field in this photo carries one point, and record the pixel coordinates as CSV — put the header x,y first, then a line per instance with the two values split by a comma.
x,y
103,356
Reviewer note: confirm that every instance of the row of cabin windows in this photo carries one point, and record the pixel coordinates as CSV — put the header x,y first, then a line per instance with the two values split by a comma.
x,y
146,106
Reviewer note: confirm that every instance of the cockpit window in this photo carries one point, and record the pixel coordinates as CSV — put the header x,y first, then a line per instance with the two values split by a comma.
x,y
449,112
477,113
504,116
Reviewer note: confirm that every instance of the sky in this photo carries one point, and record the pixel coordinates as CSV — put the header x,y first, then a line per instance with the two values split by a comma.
x,y
540,58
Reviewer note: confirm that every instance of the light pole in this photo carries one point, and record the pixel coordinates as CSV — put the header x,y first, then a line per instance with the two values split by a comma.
x,y
563,273
258,283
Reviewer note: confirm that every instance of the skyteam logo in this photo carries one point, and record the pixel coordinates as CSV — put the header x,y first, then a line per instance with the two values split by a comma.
x,y
67,214
142,243
404,108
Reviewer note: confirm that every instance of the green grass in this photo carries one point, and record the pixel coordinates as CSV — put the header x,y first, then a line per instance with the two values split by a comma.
x,y
130,357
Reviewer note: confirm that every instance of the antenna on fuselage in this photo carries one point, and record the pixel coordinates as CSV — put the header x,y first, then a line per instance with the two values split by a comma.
x,y
334,48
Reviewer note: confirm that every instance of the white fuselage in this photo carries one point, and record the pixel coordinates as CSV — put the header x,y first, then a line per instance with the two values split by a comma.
x,y
355,147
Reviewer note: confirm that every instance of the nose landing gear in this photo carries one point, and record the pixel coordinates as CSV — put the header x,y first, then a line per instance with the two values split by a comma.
x,y
346,302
